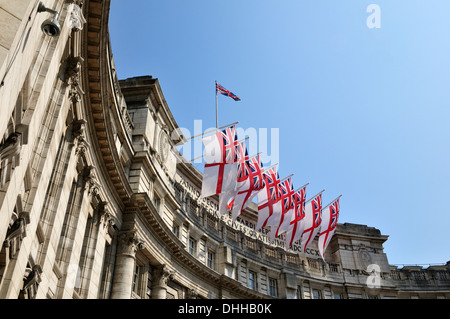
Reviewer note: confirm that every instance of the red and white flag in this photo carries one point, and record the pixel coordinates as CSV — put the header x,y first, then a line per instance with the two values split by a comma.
x,y
226,199
220,170
312,220
249,183
330,216
269,205
297,225
283,220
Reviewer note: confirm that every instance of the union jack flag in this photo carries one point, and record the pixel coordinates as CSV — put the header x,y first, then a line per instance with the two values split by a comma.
x,y
252,170
329,220
269,196
272,180
242,157
220,89
295,229
313,219
299,203
229,143
252,182
242,153
317,206
287,204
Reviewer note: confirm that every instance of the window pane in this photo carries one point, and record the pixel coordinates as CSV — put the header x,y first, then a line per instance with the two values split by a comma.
x,y
317,294
252,280
272,287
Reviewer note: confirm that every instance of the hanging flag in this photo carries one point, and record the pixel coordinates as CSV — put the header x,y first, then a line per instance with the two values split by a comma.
x,y
226,199
269,205
312,220
220,89
220,170
249,183
287,209
330,216
296,227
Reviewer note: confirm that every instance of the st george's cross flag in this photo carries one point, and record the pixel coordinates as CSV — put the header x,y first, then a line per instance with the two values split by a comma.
x,y
269,205
297,225
220,89
329,222
220,170
250,182
312,220
226,199
287,209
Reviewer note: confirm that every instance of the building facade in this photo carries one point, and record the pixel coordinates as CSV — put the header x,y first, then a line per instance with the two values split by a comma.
x,y
96,203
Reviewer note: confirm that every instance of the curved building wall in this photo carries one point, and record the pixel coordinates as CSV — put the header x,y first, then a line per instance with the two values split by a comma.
x,y
95,203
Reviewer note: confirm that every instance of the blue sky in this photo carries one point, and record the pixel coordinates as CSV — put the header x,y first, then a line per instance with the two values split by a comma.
x,y
363,112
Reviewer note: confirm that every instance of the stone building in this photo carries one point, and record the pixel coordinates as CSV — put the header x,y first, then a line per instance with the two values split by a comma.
x,y
95,203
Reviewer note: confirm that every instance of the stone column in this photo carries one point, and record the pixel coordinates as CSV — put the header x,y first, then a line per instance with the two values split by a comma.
x,y
128,244
160,276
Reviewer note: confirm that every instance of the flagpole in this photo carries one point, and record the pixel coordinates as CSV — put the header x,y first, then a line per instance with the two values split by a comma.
x,y
332,202
244,139
217,108
301,187
268,167
286,178
315,196
214,130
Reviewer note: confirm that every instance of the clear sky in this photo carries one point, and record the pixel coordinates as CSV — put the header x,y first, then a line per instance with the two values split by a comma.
x,y
363,112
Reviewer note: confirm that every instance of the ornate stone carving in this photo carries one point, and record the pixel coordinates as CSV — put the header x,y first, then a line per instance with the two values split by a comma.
x,y
192,294
105,219
161,275
9,157
129,243
76,20
164,146
91,183
364,259
16,232
31,281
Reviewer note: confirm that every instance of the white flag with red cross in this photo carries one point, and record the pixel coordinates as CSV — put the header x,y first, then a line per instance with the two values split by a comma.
x,y
330,216
220,170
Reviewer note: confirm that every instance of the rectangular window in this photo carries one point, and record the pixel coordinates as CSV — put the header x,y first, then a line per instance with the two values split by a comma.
x,y
192,246
252,280
210,259
298,293
272,287
149,285
176,230
337,296
136,279
156,201
317,294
